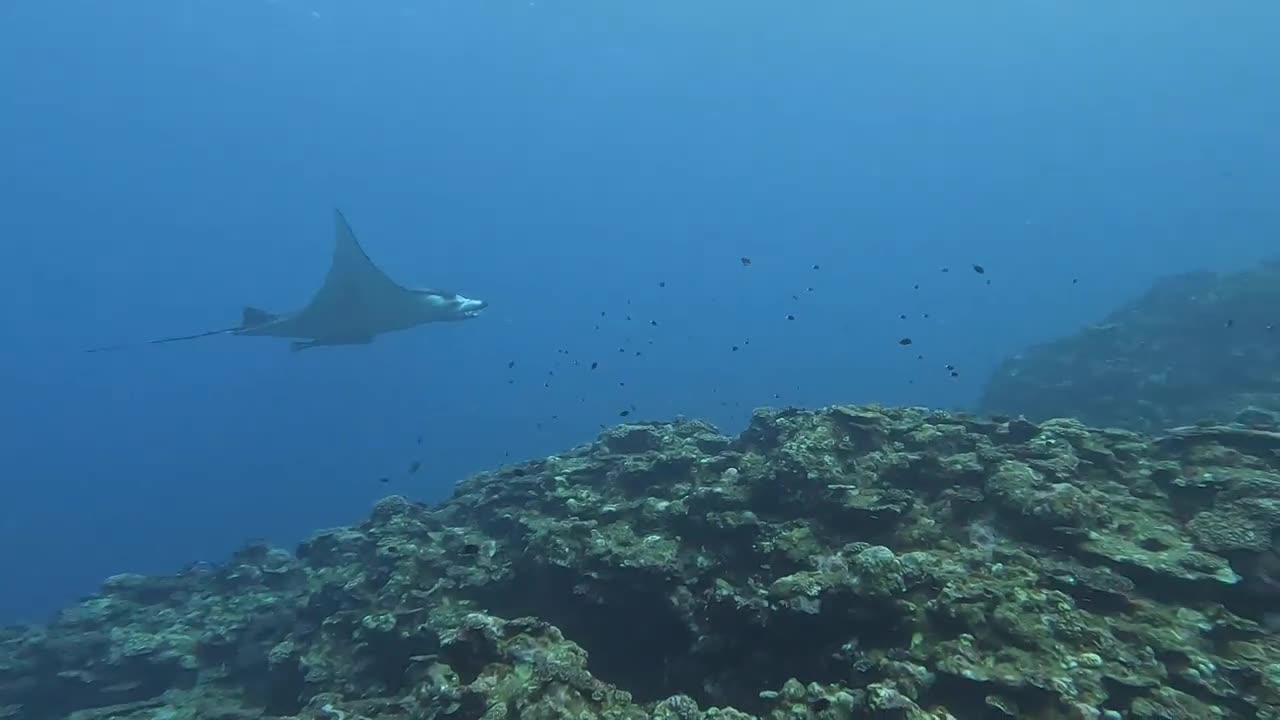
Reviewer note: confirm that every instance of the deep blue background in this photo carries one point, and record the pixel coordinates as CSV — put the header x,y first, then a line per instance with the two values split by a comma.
x,y
164,162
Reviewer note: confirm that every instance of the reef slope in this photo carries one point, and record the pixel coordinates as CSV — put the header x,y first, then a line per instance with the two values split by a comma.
x,y
1197,346
853,562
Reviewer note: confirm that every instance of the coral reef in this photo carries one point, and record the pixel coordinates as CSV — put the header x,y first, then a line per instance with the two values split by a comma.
x,y
1198,346
853,562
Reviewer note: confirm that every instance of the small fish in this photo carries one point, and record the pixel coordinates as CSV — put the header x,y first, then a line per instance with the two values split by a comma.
x,y
746,261
653,323
415,466
905,341
662,283
624,413
791,317
979,269
384,479
511,364
595,365
816,267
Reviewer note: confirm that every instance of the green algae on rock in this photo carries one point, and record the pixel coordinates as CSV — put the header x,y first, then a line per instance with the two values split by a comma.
x,y
844,563
1197,346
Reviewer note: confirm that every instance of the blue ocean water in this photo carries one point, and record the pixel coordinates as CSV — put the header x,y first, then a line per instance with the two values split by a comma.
x,y
594,170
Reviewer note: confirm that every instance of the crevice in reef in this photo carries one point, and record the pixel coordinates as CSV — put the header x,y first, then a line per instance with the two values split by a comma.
x,y
637,640
821,646
978,700
631,633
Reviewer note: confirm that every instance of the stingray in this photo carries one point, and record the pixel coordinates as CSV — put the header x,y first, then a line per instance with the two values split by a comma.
x,y
357,303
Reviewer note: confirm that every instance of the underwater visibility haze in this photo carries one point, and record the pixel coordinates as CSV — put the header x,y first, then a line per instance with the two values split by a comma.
x,y
671,208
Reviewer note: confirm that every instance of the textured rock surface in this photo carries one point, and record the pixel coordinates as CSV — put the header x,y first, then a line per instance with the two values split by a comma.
x,y
847,563
1200,346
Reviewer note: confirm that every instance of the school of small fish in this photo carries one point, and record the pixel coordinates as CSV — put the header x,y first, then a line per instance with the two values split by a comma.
x,y
746,263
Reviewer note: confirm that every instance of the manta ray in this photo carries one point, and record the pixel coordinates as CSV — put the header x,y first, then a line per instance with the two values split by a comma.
x,y
356,303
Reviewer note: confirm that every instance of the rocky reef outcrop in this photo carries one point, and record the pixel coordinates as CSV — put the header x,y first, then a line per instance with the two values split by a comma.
x,y
1199,346
853,562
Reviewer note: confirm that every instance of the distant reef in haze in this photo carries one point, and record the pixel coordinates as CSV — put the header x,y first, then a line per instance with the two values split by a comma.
x,y
846,563
1197,347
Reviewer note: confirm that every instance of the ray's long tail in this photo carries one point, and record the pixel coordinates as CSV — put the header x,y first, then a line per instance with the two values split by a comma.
x,y
178,338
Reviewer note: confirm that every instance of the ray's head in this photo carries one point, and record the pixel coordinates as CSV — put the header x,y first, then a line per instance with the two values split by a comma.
x,y
443,305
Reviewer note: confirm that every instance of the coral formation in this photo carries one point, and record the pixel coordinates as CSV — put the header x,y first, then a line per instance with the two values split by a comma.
x,y
853,562
1199,346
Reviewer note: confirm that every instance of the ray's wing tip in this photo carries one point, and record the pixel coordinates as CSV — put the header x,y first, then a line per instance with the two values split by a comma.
x,y
340,220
